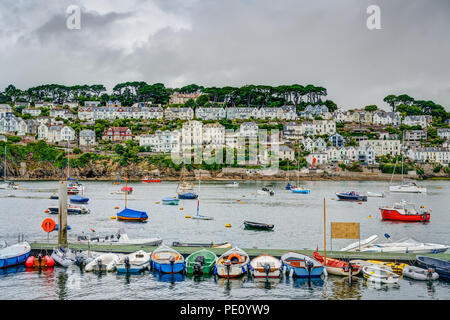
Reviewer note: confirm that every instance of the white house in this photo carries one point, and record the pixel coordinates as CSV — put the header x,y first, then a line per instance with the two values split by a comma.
x,y
87,138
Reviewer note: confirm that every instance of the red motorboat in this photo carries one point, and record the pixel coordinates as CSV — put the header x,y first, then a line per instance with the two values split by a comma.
x,y
40,262
148,179
337,267
404,211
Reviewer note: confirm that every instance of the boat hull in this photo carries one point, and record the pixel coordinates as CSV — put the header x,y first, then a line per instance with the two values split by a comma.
x,y
235,270
301,191
394,215
187,196
402,189
344,197
19,256
176,267
440,266
300,272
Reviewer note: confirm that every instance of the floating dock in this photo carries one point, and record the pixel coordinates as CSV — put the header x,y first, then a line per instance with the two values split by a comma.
x,y
409,258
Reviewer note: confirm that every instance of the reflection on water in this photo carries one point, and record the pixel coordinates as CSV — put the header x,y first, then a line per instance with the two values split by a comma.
x,y
345,288
72,283
298,224
168,277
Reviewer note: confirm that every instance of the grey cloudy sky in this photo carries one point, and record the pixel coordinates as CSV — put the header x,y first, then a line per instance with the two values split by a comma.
x,y
231,42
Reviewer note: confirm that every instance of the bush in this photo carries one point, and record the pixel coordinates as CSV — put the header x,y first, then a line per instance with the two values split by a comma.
x,y
437,168
419,171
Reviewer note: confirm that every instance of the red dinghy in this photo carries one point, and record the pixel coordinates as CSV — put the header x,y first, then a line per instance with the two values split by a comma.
x,y
147,179
337,267
127,189
40,262
404,211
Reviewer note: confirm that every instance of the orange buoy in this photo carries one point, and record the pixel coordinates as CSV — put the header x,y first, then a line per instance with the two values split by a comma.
x,y
48,225
46,211
116,207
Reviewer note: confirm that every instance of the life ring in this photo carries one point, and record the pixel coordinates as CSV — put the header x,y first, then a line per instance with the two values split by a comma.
x,y
232,257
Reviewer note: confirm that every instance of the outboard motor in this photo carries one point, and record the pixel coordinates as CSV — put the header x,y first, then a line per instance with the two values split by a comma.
x,y
267,269
309,266
227,264
430,273
79,261
127,263
172,261
40,260
99,264
198,264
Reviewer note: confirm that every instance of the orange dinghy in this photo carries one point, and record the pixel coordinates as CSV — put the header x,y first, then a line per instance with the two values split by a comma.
x,y
337,267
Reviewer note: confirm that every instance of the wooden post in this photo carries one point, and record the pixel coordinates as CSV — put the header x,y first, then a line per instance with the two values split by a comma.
x,y
62,214
324,234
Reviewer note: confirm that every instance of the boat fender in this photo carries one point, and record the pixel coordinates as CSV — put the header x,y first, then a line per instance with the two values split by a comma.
x,y
291,272
243,269
215,270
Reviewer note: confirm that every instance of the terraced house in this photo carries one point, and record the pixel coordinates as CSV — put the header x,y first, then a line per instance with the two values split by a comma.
x,y
117,134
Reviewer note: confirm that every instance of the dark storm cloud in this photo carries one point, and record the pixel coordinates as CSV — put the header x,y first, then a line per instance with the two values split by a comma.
x,y
234,43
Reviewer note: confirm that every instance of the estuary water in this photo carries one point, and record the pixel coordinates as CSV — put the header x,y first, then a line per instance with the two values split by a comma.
x,y
298,221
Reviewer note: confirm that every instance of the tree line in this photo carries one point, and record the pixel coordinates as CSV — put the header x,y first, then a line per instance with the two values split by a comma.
x,y
129,93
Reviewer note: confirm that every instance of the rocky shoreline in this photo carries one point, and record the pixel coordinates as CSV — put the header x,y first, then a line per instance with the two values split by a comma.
x,y
108,171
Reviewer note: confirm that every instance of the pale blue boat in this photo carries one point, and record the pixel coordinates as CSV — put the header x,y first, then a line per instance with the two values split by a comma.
x,y
14,255
301,266
170,201
167,260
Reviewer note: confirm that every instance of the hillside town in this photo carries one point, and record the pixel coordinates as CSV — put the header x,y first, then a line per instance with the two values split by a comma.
x,y
312,136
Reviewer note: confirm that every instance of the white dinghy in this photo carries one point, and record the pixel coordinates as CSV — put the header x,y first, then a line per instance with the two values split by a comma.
x,y
419,273
104,262
64,256
266,266
134,262
356,246
379,274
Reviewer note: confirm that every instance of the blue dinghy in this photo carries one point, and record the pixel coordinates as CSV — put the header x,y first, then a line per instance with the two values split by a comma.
x,y
79,199
187,195
300,190
167,260
14,255
301,266
132,215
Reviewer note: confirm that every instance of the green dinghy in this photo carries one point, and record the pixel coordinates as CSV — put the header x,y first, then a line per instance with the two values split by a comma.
x,y
200,262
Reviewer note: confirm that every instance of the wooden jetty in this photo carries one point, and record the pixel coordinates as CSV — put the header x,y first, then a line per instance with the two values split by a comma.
x,y
252,252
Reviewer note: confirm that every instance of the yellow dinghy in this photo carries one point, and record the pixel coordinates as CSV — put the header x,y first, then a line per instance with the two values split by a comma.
x,y
397,267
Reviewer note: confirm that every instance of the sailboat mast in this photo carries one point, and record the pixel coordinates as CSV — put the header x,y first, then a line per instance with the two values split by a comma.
x,y
324,235
126,187
4,166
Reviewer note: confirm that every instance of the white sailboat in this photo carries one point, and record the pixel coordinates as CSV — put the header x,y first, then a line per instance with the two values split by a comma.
x,y
7,185
198,216
405,187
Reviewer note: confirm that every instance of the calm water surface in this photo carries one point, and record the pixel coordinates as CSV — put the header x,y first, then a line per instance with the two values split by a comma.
x,y
298,223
